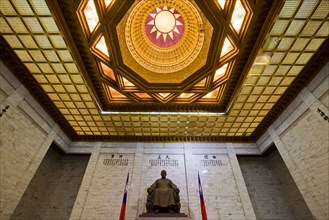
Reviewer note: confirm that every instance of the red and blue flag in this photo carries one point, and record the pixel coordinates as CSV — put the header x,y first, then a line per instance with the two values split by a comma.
x,y
124,201
202,204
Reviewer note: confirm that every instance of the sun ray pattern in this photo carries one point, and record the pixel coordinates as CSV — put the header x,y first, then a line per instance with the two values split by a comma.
x,y
164,26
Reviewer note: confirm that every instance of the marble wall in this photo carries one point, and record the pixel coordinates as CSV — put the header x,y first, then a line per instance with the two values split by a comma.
x,y
52,191
296,203
309,165
22,146
105,192
273,192
301,137
225,194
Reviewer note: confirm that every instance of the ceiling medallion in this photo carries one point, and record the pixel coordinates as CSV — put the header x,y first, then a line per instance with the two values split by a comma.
x,y
164,36
164,27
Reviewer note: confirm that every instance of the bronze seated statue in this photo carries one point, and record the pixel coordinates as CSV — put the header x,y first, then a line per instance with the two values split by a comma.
x,y
163,196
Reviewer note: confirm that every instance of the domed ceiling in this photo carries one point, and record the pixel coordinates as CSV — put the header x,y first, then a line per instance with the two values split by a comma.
x,y
164,70
158,52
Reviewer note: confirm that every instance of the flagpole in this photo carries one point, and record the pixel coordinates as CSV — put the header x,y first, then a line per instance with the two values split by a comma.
x,y
202,203
124,200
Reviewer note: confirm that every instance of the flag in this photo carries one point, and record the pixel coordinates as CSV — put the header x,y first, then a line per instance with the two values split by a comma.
x,y
124,201
202,204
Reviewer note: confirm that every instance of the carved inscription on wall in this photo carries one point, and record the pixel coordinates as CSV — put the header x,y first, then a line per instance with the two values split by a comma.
x,y
211,163
165,163
116,162
110,169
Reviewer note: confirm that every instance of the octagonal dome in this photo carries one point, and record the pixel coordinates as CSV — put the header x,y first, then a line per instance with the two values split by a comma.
x,y
162,44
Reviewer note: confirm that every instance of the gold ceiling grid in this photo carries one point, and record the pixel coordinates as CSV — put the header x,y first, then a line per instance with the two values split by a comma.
x,y
31,31
299,30
93,16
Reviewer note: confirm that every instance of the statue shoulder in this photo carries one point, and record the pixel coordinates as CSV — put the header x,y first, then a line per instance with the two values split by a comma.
x,y
170,180
157,181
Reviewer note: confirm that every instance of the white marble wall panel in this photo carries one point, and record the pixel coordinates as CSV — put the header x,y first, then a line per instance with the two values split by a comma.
x,y
25,139
105,193
219,187
305,144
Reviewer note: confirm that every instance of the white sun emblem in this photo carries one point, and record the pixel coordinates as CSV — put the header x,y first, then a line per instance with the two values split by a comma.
x,y
164,22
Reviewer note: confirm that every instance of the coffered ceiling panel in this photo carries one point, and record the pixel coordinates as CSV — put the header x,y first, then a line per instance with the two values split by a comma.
x,y
164,70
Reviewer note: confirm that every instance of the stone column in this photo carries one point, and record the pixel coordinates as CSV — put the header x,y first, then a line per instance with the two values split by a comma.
x,y
248,209
136,203
85,184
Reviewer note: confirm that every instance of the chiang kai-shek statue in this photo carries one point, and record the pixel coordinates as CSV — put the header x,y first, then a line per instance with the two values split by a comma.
x,y
163,196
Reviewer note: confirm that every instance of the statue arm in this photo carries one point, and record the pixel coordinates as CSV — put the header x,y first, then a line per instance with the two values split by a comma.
x,y
152,187
172,185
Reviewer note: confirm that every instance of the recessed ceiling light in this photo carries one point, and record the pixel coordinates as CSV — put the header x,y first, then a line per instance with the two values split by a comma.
x,y
263,59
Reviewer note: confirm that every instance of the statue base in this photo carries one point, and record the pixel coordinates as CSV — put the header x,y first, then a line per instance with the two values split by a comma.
x,y
162,216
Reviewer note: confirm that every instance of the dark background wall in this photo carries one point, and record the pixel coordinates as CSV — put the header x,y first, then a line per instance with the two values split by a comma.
x,y
271,188
52,192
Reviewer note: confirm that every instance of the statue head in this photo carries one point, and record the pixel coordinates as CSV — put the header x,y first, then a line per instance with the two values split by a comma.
x,y
163,174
